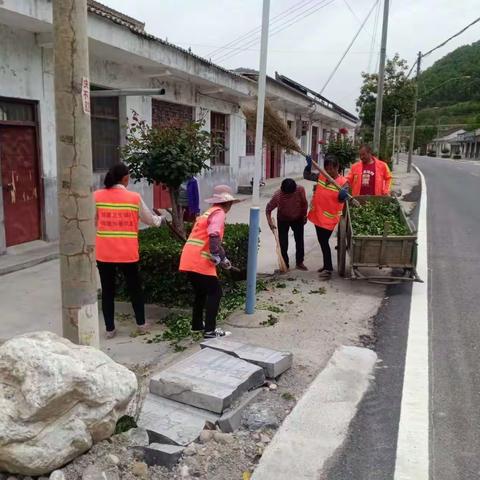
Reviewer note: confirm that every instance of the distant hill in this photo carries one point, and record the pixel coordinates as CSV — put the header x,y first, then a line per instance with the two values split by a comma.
x,y
446,96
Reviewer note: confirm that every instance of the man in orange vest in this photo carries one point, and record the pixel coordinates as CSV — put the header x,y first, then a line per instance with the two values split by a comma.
x,y
201,255
118,213
326,207
369,176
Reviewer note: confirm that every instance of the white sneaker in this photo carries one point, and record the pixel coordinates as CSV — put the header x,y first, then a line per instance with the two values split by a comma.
x,y
218,332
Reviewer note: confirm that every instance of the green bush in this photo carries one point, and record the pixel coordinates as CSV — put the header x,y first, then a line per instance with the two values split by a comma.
x,y
432,153
456,156
160,254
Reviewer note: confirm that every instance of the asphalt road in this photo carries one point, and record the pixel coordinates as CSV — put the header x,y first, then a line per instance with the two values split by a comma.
x,y
369,451
454,261
453,218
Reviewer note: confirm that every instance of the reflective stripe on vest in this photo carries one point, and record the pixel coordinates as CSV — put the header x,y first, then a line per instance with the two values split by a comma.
x,y
326,209
117,225
196,256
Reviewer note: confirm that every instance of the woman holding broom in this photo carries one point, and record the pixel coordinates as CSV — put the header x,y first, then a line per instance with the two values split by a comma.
x,y
326,207
201,255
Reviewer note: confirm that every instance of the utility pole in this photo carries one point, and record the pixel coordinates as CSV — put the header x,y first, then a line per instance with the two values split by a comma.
x,y
255,209
74,173
414,119
381,80
394,133
399,143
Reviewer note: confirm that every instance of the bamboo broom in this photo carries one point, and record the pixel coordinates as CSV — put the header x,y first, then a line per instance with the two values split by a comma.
x,y
276,132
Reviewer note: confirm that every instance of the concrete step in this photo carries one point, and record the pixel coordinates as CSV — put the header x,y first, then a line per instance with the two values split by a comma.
x,y
208,379
273,362
167,421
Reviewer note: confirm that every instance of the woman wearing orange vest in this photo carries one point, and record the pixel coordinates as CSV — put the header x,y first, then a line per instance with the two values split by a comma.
x,y
201,255
369,176
326,207
119,212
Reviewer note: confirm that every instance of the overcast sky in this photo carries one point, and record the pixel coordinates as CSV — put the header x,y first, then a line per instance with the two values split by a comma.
x,y
312,34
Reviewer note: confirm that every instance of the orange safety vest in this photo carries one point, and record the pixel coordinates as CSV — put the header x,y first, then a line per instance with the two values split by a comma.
x,y
117,225
196,256
383,178
325,208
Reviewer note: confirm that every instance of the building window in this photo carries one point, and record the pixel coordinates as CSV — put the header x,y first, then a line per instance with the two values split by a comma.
x,y
105,132
250,140
218,128
304,140
16,111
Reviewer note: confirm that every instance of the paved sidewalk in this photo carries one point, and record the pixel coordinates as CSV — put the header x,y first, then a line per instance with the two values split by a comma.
x,y
30,297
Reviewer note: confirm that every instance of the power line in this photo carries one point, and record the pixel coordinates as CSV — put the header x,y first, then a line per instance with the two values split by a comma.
x,y
452,37
374,38
279,28
443,43
257,30
349,46
351,11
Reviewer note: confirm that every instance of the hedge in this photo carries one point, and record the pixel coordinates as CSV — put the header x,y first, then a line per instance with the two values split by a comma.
x,y
160,254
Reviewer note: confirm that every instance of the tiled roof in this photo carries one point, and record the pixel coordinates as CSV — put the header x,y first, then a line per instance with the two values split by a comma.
x,y
137,28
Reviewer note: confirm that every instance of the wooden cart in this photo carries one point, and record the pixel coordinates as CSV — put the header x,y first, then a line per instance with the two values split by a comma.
x,y
366,252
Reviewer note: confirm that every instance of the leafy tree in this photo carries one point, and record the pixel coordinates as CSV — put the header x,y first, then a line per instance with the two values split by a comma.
x,y
170,155
453,79
343,148
398,95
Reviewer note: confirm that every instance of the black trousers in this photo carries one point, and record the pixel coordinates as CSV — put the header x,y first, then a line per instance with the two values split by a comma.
x,y
108,272
323,236
208,293
298,228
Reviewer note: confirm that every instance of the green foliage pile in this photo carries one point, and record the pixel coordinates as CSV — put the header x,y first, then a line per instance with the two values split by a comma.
x,y
160,256
372,217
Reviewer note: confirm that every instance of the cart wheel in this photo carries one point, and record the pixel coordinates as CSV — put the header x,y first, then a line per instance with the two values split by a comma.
x,y
342,247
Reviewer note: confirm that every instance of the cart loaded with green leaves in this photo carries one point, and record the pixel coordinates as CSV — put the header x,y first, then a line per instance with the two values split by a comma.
x,y
374,233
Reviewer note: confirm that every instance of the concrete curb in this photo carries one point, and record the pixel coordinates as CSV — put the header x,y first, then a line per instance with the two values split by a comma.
x,y
28,263
318,424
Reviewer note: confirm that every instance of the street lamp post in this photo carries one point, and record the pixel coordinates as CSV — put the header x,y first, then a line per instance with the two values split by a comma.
x,y
255,209
415,106
394,133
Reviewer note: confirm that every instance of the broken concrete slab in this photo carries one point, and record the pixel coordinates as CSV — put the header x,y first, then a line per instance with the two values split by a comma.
x,y
208,379
158,454
231,419
273,362
171,422
136,437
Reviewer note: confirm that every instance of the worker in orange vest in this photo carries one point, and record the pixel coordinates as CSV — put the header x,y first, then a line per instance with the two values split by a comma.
x,y
369,176
326,207
118,212
201,255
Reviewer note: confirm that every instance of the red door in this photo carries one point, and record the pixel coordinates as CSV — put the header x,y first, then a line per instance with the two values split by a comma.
x,y
273,161
19,165
161,196
314,152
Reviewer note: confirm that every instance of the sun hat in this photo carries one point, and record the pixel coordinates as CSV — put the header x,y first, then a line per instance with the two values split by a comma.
x,y
222,194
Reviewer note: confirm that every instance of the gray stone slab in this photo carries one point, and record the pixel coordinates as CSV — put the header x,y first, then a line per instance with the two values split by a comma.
x,y
158,454
232,417
273,362
208,379
167,421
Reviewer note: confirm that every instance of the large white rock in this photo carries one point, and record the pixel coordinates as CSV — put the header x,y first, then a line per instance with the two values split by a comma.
x,y
56,400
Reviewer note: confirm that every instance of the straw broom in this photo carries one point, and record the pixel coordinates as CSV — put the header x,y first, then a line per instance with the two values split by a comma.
x,y
276,132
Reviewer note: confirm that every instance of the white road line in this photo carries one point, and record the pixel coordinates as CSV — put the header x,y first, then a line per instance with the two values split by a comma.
x,y
412,462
